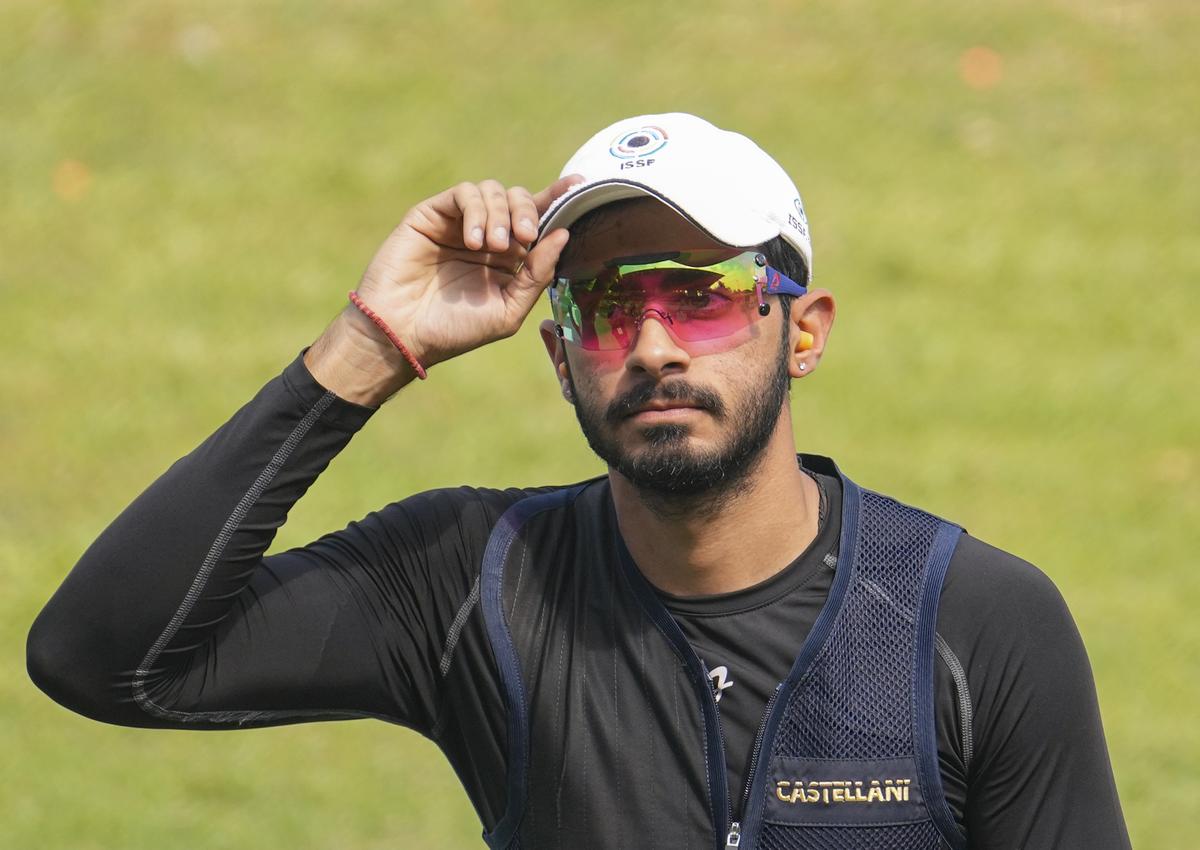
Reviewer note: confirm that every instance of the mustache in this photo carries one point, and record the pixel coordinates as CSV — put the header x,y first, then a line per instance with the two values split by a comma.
x,y
626,405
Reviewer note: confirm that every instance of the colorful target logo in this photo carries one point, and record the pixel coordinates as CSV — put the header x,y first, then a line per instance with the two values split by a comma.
x,y
643,141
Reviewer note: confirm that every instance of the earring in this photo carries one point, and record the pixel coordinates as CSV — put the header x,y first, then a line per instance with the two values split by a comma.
x,y
567,394
803,366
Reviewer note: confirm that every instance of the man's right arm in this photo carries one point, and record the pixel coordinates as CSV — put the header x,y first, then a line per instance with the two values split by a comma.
x,y
173,617
134,633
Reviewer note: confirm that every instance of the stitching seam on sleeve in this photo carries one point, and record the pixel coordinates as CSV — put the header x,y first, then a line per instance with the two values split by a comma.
x,y
214,554
460,620
965,712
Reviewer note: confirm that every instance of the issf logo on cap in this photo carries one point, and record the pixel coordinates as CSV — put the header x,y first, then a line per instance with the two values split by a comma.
x,y
636,147
801,223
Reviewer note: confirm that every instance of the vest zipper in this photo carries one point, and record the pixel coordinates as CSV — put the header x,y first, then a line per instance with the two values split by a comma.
x,y
758,742
733,838
734,833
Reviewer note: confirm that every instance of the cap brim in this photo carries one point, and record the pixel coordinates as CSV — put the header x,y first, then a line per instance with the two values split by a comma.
x,y
578,202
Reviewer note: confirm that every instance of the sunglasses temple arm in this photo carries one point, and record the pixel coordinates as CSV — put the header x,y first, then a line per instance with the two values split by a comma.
x,y
778,282
763,307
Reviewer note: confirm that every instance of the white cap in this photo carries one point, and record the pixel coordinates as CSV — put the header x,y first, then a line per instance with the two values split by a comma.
x,y
721,181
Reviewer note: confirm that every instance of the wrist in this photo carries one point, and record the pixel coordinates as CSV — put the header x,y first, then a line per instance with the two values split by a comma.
x,y
387,331
355,360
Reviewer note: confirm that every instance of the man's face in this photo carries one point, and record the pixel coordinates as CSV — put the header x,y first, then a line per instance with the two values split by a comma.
x,y
677,419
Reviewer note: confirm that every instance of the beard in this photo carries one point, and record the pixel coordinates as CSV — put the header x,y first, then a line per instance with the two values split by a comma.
x,y
673,478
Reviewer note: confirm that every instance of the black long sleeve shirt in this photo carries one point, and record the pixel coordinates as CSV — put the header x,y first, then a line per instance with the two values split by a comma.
x,y
174,618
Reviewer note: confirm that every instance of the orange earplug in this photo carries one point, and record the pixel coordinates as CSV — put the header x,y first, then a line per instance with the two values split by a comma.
x,y
806,341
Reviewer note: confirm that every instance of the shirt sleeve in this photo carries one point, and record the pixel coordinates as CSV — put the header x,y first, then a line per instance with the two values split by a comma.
x,y
174,618
1040,776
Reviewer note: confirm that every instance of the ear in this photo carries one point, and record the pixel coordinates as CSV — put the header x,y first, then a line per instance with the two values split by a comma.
x,y
811,320
558,355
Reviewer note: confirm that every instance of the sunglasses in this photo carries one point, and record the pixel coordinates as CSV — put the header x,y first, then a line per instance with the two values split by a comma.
x,y
697,295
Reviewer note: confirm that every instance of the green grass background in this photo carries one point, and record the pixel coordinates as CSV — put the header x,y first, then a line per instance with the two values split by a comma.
x,y
188,190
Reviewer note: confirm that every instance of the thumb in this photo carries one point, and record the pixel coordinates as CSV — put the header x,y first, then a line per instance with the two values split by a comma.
x,y
537,272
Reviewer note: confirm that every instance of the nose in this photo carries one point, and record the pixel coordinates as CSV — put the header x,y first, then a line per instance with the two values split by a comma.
x,y
654,350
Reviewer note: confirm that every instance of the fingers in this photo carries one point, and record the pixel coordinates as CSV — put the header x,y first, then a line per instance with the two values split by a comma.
x,y
495,198
535,274
541,261
524,212
465,200
551,193
490,214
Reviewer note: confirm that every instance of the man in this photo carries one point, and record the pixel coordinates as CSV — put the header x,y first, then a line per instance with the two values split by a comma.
x,y
720,643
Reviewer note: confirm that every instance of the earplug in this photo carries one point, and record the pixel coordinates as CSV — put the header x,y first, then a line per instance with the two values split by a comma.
x,y
806,341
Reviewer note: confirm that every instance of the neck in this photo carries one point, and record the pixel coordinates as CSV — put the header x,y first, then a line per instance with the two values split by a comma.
x,y
723,541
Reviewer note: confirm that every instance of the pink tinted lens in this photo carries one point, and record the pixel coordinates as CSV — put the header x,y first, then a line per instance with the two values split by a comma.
x,y
693,304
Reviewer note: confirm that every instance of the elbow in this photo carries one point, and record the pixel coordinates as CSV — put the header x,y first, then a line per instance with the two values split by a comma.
x,y
47,660
58,666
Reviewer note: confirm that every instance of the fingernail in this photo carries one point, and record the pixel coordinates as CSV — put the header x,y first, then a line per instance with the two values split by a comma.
x,y
477,234
527,224
500,232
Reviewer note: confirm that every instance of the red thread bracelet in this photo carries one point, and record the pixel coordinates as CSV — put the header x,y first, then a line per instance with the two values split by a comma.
x,y
382,325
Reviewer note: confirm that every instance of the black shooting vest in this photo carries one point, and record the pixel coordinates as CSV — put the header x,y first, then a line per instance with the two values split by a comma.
x,y
613,733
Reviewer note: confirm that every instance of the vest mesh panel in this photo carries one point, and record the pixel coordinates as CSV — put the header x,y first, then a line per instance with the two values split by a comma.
x,y
856,701
903,837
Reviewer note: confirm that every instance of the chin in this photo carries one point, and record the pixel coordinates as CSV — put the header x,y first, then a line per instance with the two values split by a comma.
x,y
665,435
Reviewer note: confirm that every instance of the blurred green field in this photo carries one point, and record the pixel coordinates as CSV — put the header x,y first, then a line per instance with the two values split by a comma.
x,y
1004,197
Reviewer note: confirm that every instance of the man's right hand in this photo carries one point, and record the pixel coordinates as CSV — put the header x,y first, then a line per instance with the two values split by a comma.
x,y
454,275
